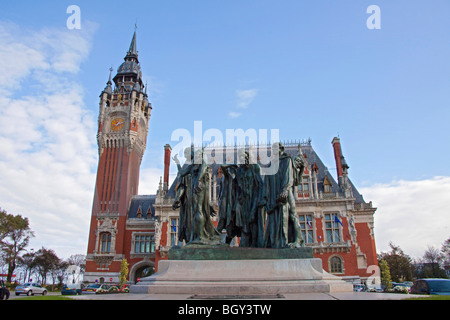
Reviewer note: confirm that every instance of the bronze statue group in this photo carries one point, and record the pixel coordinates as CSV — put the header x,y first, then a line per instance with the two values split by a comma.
x,y
257,209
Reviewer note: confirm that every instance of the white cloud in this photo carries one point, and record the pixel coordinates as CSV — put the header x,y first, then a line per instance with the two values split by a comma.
x,y
48,157
149,180
234,114
245,97
411,214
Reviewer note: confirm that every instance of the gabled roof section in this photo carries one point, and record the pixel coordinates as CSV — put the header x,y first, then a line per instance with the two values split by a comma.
x,y
140,206
313,161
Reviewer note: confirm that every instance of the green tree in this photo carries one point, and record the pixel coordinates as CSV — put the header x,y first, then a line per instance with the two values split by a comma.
x,y
123,272
28,265
15,235
46,261
385,274
400,264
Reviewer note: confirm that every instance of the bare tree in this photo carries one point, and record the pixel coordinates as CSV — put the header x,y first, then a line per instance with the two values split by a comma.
x,y
446,252
432,263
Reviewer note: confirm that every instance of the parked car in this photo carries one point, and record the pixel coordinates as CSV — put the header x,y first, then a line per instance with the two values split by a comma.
x,y
72,289
359,287
4,292
94,288
431,287
30,289
375,288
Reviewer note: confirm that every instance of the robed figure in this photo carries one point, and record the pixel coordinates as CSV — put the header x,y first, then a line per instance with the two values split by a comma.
x,y
282,229
227,200
183,197
200,228
248,191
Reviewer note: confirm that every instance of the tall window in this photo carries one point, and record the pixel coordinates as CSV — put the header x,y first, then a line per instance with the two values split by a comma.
x,y
306,226
174,232
336,265
303,188
332,223
106,242
144,244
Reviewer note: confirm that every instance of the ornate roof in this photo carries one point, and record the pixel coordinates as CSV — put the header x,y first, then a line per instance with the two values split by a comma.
x,y
314,162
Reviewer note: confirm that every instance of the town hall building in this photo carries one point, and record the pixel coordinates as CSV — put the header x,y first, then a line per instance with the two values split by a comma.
x,y
335,220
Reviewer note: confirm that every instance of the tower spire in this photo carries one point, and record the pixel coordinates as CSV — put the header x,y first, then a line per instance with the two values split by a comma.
x,y
130,68
133,45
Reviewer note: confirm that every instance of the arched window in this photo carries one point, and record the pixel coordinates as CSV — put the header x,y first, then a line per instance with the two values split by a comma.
x,y
106,242
336,265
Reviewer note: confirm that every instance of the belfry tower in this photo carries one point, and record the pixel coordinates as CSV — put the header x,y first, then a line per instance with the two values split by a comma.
x,y
123,122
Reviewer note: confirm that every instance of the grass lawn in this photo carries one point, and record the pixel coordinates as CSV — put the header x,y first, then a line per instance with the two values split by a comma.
x,y
45,298
431,298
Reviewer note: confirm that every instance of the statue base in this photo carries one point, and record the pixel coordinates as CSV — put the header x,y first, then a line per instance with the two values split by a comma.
x,y
250,271
225,252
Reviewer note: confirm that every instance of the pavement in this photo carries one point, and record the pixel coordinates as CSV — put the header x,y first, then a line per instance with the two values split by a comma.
x,y
281,297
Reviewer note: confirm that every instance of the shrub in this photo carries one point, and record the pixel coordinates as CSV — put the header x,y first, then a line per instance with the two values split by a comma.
x,y
113,290
101,291
400,289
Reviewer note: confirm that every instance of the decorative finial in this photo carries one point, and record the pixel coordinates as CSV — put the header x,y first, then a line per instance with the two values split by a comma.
x,y
110,74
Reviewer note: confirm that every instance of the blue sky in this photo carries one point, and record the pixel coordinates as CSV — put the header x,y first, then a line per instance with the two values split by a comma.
x,y
311,69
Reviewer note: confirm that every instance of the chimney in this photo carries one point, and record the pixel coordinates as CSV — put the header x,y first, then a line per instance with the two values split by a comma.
x,y
167,153
337,156
341,164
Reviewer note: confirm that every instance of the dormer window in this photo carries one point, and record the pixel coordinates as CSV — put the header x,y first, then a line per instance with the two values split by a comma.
x,y
326,185
149,212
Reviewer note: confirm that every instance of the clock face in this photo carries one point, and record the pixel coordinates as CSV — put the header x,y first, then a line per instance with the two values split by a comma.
x,y
117,124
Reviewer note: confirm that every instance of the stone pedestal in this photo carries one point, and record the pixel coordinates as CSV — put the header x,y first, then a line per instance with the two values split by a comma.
x,y
249,271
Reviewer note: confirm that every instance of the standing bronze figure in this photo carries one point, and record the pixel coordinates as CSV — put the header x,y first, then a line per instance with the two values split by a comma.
x,y
282,229
227,201
249,185
200,228
183,198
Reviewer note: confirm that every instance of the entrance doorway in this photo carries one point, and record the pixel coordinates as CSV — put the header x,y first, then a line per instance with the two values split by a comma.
x,y
143,272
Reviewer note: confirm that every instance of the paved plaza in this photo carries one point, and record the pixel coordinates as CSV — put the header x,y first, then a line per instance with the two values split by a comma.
x,y
298,296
